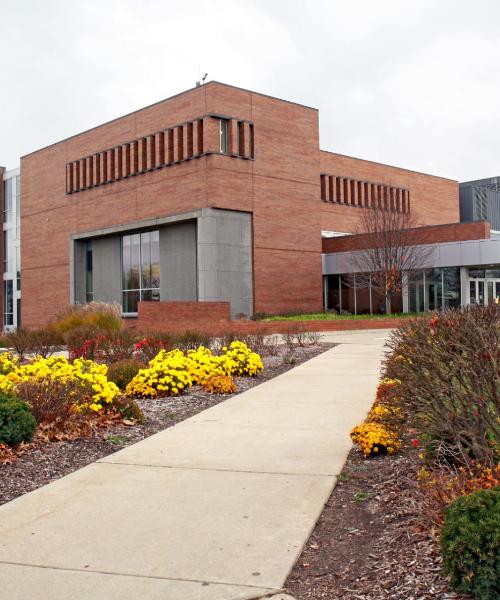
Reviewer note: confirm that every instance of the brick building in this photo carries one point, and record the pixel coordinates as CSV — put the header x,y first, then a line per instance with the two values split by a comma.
x,y
216,194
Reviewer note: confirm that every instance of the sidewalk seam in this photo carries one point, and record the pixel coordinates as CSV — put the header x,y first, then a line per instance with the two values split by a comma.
x,y
136,576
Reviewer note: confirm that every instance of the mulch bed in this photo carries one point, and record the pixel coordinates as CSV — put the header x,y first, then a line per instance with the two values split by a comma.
x,y
44,463
370,542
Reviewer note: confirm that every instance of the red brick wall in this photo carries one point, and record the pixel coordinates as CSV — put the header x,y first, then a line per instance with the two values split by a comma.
x,y
184,315
266,327
433,200
452,232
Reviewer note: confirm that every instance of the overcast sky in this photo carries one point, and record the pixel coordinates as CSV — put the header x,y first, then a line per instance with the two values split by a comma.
x,y
414,83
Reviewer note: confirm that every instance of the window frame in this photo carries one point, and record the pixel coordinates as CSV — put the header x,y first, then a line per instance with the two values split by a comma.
x,y
141,290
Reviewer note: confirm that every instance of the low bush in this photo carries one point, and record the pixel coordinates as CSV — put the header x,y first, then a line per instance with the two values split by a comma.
x,y
52,399
19,340
129,409
470,543
166,375
86,373
17,424
439,487
448,366
220,384
123,371
45,342
102,347
375,439
243,361
150,344
171,373
190,340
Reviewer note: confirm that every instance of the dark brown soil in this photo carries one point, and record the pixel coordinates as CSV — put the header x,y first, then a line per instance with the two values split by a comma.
x,y
41,465
370,542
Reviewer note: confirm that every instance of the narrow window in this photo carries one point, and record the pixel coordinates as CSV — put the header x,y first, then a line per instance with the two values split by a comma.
x,y
189,140
89,279
200,136
241,138
252,142
323,187
223,135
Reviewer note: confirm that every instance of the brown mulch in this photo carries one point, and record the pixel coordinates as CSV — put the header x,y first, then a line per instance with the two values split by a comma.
x,y
41,463
370,542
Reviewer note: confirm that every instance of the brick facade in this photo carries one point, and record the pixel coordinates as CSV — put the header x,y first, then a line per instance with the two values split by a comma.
x,y
155,315
434,234
272,170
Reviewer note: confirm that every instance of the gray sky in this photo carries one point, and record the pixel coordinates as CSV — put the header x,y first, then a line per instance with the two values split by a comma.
x,y
404,82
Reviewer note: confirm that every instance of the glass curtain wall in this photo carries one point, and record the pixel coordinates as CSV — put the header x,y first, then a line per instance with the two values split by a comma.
x,y
356,295
434,289
429,289
140,269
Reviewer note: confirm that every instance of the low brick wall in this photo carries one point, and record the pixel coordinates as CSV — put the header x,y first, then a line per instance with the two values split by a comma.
x,y
213,318
178,316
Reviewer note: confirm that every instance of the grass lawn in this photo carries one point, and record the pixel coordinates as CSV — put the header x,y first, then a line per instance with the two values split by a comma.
x,y
332,316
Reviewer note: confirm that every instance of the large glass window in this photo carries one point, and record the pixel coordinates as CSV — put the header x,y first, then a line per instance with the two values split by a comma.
x,y
140,269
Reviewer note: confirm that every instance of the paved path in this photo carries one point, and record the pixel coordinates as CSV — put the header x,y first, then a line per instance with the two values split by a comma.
x,y
216,508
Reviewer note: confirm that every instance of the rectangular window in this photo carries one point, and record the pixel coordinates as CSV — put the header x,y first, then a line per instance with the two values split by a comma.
x,y
140,269
7,202
223,135
6,265
8,302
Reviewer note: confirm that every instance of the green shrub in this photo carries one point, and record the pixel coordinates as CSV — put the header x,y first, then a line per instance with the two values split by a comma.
x,y
470,542
17,424
123,371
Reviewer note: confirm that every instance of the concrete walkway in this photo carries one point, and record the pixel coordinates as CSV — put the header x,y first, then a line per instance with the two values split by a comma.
x,y
216,508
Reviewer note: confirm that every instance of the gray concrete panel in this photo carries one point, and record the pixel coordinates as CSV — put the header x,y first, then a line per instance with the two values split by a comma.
x,y
225,259
106,257
178,261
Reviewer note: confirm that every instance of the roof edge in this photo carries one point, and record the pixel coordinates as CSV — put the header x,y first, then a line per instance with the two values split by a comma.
x,y
374,162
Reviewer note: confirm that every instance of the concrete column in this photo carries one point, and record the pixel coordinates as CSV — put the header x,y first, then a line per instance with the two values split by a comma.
x,y
225,259
464,286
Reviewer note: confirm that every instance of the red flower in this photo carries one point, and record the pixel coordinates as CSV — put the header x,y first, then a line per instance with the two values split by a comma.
x,y
415,443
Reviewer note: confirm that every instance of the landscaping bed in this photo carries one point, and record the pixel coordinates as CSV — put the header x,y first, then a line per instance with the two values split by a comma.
x,y
415,514
42,463
370,542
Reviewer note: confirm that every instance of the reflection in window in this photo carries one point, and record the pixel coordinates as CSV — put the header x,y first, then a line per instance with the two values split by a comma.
x,y
140,269
8,302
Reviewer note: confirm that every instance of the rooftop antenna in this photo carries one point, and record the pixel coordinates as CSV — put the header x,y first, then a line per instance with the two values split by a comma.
x,y
201,81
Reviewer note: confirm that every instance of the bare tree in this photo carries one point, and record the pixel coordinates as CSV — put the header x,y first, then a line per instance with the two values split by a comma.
x,y
389,249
